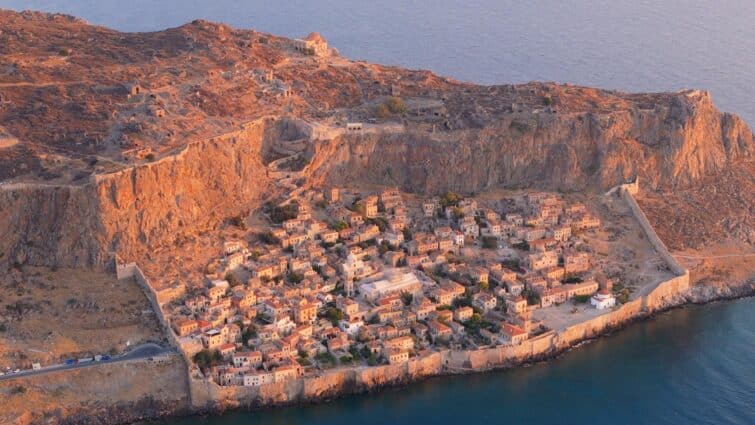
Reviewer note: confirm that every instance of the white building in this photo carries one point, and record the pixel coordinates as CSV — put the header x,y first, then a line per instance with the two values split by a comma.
x,y
603,299
394,282
259,378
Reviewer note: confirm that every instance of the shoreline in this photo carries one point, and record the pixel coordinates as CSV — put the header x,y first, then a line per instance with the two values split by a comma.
x,y
726,293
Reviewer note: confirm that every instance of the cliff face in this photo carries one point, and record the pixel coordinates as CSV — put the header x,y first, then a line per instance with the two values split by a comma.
x,y
157,204
673,145
85,107
137,209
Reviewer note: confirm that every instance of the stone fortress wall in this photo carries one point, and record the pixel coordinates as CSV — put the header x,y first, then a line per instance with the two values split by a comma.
x,y
132,271
341,381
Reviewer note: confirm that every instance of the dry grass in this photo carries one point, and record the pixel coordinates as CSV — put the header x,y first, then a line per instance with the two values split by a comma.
x,y
49,315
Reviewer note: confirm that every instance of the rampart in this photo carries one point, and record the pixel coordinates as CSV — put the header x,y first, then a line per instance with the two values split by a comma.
x,y
206,394
132,271
626,193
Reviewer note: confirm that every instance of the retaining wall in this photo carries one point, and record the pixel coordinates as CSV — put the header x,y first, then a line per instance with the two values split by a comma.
x,y
660,247
132,271
207,394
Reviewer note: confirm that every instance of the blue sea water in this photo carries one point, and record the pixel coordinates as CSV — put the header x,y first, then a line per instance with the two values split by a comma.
x,y
690,366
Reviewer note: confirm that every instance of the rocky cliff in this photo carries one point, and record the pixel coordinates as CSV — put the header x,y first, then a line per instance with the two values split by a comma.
x,y
137,209
116,148
671,146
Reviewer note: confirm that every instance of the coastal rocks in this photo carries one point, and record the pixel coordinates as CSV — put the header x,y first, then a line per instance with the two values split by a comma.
x,y
701,294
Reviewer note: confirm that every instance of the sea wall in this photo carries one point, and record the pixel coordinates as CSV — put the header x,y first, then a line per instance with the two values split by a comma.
x,y
669,293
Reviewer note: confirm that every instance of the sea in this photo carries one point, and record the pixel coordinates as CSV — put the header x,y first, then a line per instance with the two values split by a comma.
x,y
694,365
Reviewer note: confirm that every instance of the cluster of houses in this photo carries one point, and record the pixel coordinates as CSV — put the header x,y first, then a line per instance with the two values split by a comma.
x,y
380,281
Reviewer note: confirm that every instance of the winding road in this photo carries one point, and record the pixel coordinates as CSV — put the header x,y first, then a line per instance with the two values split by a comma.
x,y
141,352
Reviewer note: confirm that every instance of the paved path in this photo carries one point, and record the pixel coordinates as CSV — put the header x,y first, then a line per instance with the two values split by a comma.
x,y
705,257
140,352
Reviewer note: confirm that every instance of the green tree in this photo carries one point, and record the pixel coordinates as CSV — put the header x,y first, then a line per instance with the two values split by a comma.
x,y
295,278
457,213
207,358
268,238
334,315
250,332
238,221
450,199
232,279
489,242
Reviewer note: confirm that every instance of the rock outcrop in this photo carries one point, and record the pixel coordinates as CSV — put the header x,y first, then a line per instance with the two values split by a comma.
x,y
116,150
137,209
671,146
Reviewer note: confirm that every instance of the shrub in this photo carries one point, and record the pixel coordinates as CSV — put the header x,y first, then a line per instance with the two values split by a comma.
x,y
325,357
248,333
489,242
238,221
150,157
581,299
519,126
395,105
295,278
524,246
450,199
381,111
207,358
623,296
334,315
280,214
457,213
531,296
268,238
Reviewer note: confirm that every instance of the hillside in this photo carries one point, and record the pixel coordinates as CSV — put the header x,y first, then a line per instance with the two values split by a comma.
x,y
136,142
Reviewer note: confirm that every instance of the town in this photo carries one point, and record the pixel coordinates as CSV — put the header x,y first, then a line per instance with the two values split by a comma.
x,y
348,277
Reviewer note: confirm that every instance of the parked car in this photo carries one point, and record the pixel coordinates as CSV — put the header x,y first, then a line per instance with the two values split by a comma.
x,y
69,362
105,357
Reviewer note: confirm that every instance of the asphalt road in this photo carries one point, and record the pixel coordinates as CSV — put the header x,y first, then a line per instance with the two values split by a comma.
x,y
139,352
